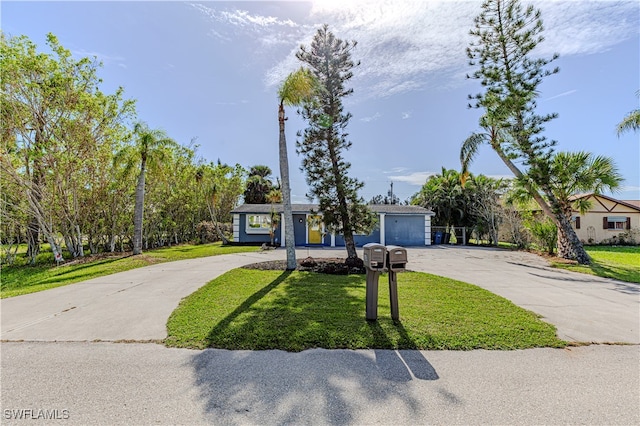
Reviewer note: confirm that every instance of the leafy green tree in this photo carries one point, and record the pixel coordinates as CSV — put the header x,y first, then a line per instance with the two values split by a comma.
x,y
56,124
296,89
325,140
484,204
149,150
505,36
259,185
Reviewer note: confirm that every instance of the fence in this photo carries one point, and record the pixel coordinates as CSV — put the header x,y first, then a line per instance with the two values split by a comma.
x,y
448,235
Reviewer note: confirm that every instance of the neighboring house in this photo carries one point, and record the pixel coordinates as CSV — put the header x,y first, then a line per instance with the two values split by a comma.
x,y
397,225
606,219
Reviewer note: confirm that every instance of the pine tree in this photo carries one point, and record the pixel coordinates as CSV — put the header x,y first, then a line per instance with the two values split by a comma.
x,y
505,36
325,140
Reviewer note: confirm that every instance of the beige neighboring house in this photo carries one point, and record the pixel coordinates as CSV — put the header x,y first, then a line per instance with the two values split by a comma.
x,y
607,219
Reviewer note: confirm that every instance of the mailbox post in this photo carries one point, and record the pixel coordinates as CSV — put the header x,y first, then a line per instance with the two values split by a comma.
x,y
375,259
396,261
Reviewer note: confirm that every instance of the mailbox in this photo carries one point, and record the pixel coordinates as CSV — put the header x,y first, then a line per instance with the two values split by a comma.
x,y
375,257
396,258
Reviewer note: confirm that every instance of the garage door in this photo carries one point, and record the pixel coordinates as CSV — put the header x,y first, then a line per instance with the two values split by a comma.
x,y
404,230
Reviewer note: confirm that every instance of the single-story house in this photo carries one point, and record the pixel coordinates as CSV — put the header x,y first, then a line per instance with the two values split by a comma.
x,y
606,219
397,225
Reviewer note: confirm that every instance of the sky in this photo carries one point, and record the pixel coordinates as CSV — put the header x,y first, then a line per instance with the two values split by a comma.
x,y
210,70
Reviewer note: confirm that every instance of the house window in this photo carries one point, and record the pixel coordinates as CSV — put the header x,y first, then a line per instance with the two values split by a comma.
x,y
616,222
258,224
576,221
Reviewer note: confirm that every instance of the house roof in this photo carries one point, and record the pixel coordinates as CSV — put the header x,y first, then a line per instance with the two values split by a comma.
x,y
633,204
306,208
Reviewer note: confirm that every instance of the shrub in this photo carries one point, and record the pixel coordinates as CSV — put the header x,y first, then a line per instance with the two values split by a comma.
x,y
207,232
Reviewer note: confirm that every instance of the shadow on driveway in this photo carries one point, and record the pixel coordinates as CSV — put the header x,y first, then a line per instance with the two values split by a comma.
x,y
316,386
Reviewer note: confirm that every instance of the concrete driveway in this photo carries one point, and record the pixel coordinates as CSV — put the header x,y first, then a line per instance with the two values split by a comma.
x,y
584,308
135,305
54,372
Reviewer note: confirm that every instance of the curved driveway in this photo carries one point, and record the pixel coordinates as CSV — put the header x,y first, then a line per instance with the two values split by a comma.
x,y
135,305
85,383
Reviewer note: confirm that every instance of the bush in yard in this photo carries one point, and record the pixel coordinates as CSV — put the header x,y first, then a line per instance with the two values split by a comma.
x,y
206,231
544,232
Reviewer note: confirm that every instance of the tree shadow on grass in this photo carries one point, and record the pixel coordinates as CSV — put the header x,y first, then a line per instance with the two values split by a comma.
x,y
245,306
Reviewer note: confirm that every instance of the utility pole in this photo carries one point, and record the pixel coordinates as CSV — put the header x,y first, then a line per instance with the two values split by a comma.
x,y
390,194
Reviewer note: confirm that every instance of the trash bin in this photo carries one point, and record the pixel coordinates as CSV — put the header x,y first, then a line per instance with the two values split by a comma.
x,y
438,239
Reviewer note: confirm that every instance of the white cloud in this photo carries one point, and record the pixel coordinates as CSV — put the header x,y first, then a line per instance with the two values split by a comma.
x,y
406,45
267,30
396,170
374,117
406,114
567,93
102,57
415,178
403,44
629,188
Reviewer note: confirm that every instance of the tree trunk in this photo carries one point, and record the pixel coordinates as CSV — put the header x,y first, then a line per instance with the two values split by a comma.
x,y
289,237
569,245
139,211
33,240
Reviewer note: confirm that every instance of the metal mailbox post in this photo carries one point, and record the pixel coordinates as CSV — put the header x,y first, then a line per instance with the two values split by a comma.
x,y
396,261
375,259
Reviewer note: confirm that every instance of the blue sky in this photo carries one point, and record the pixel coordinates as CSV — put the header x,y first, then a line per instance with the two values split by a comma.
x,y
211,70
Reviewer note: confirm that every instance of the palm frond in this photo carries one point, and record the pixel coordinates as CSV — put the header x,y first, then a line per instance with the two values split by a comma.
x,y
298,87
630,123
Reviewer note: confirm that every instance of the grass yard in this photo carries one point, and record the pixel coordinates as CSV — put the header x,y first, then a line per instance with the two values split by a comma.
x,y
253,309
620,262
22,279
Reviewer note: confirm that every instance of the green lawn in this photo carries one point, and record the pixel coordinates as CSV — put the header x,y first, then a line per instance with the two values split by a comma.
x,y
620,262
252,309
22,279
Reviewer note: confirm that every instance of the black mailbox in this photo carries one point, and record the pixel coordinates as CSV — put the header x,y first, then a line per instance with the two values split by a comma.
x,y
396,258
375,256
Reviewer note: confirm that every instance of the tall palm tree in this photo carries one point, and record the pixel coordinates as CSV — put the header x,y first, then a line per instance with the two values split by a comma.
x,y
298,88
149,149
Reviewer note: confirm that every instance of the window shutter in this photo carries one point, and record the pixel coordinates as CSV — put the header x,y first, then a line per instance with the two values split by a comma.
x,y
628,223
605,223
578,222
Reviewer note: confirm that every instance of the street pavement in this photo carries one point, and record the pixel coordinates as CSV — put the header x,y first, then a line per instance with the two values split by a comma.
x,y
63,355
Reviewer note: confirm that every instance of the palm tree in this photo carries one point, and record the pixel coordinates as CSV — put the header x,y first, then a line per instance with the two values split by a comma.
x,y
296,89
631,121
575,172
502,141
150,149
444,194
258,185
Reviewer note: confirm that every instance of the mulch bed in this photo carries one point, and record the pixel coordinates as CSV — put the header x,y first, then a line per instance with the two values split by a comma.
x,y
328,265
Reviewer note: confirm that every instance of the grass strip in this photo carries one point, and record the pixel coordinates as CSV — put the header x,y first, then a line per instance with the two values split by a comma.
x,y
621,263
293,311
17,280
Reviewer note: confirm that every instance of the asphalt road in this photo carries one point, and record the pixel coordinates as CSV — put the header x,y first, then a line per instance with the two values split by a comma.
x,y
148,384
53,365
